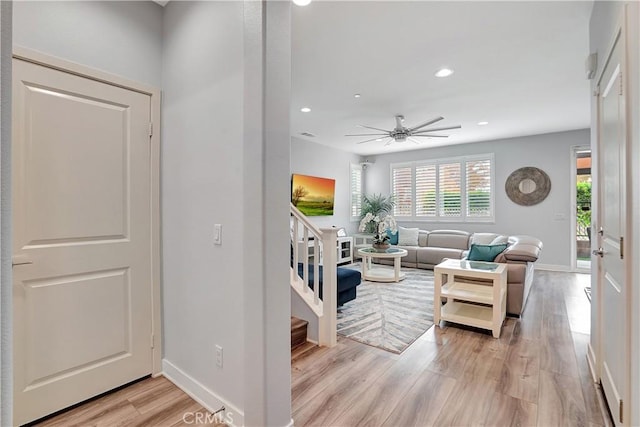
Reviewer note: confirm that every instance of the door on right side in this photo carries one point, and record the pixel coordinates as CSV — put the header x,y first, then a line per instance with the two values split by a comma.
x,y
611,268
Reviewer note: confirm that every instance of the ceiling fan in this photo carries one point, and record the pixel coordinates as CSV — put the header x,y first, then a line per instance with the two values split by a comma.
x,y
401,133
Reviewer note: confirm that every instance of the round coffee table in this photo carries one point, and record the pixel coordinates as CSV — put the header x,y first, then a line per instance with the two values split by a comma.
x,y
380,274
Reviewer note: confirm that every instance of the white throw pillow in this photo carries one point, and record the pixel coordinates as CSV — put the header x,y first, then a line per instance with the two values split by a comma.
x,y
408,236
500,240
483,238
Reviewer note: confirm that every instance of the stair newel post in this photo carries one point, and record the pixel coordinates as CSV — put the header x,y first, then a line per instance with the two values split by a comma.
x,y
294,246
328,324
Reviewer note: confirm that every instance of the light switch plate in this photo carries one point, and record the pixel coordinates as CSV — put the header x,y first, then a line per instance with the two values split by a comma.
x,y
217,234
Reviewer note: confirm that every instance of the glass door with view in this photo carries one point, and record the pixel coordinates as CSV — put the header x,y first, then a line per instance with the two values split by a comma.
x,y
583,209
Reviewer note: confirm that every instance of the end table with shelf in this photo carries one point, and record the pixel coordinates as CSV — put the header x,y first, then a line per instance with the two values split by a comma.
x,y
344,248
476,293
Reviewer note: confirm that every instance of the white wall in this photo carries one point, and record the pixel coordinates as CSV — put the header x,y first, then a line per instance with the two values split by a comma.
x,y
549,152
119,37
309,158
202,184
605,19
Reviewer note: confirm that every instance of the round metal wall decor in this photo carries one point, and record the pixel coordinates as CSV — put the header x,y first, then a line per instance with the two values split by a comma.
x,y
528,186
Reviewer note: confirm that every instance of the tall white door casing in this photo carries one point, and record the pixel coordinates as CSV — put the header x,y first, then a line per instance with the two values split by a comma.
x,y
613,284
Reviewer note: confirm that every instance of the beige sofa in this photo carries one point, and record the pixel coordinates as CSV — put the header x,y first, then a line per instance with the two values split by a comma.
x,y
522,251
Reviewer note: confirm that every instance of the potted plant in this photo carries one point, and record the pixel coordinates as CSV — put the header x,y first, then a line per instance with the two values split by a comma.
x,y
380,227
377,205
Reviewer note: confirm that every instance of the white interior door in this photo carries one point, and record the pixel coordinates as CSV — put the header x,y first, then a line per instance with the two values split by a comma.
x,y
82,240
612,280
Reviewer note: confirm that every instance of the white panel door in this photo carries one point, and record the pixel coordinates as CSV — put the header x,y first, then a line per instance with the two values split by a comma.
x,y
82,241
614,292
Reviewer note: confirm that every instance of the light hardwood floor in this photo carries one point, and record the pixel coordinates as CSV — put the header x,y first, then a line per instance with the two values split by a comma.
x,y
535,374
151,402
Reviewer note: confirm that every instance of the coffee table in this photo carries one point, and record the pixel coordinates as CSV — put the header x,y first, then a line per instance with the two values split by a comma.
x,y
381,274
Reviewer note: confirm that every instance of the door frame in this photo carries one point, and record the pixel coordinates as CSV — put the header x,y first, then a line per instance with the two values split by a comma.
x,y
574,220
155,95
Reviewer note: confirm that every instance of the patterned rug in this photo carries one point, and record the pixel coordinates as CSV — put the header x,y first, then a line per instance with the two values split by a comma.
x,y
389,315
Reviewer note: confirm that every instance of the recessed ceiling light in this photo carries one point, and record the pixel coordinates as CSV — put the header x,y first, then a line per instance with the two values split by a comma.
x,y
305,109
483,123
301,2
379,140
357,95
444,72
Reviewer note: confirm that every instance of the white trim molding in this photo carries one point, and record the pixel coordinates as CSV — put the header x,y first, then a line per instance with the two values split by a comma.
x,y
201,394
553,267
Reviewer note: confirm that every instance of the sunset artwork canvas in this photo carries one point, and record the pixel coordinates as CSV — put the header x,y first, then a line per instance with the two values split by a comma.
x,y
312,195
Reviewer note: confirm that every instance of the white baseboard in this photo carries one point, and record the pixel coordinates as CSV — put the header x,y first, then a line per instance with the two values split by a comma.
x,y
591,361
552,267
201,394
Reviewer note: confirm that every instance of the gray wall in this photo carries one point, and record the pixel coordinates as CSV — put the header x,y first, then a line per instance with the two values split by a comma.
x,y
119,37
309,158
202,184
549,152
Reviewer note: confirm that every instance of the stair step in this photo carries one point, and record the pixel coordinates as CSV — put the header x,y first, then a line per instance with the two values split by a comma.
x,y
298,332
304,350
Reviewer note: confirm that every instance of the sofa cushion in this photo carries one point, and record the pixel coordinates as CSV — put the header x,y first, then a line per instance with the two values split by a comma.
x,y
434,256
408,236
523,248
485,252
452,239
500,240
422,237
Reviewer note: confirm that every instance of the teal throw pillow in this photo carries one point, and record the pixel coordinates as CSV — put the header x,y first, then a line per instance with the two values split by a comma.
x,y
485,252
393,237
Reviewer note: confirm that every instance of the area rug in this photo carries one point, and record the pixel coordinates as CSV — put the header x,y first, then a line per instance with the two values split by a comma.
x,y
389,315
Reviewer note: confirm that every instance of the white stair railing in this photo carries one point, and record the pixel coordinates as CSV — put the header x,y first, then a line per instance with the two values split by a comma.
x,y
308,241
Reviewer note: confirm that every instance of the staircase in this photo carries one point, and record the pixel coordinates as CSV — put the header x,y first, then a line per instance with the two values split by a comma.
x,y
321,314
298,332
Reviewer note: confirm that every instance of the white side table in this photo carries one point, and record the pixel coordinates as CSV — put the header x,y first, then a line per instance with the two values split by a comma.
x,y
381,274
454,281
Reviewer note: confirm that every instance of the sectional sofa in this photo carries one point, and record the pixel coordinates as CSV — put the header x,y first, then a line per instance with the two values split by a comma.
x,y
434,246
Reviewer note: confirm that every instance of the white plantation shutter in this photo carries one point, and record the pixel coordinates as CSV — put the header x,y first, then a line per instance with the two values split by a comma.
x,y
454,189
478,179
426,194
450,200
356,191
402,190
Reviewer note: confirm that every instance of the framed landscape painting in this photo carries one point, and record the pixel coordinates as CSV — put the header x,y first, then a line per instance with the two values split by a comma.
x,y
313,195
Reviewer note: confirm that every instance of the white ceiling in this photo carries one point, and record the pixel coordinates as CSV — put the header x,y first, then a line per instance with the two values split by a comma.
x,y
518,65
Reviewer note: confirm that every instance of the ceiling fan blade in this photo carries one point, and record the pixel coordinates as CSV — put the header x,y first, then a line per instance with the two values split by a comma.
x,y
388,142
414,141
430,122
370,127
438,129
432,136
368,134
369,140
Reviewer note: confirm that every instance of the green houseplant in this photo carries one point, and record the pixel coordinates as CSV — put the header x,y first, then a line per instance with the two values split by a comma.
x,y
378,206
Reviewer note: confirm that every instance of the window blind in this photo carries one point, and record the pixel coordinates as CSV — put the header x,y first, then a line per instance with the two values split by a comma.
x,y
402,189
450,200
356,191
478,191
426,190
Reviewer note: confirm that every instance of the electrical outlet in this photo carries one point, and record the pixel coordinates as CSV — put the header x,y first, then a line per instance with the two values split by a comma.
x,y
218,356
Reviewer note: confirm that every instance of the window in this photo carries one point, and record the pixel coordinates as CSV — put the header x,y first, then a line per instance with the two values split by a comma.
x,y
459,189
356,191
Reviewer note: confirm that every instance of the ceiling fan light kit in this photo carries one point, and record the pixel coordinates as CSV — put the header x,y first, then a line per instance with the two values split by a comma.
x,y
401,133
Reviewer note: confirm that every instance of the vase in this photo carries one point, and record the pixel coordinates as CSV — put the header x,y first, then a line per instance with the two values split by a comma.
x,y
380,247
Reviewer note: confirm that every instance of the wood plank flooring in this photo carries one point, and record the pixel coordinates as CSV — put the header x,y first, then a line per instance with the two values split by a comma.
x,y
535,374
151,402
